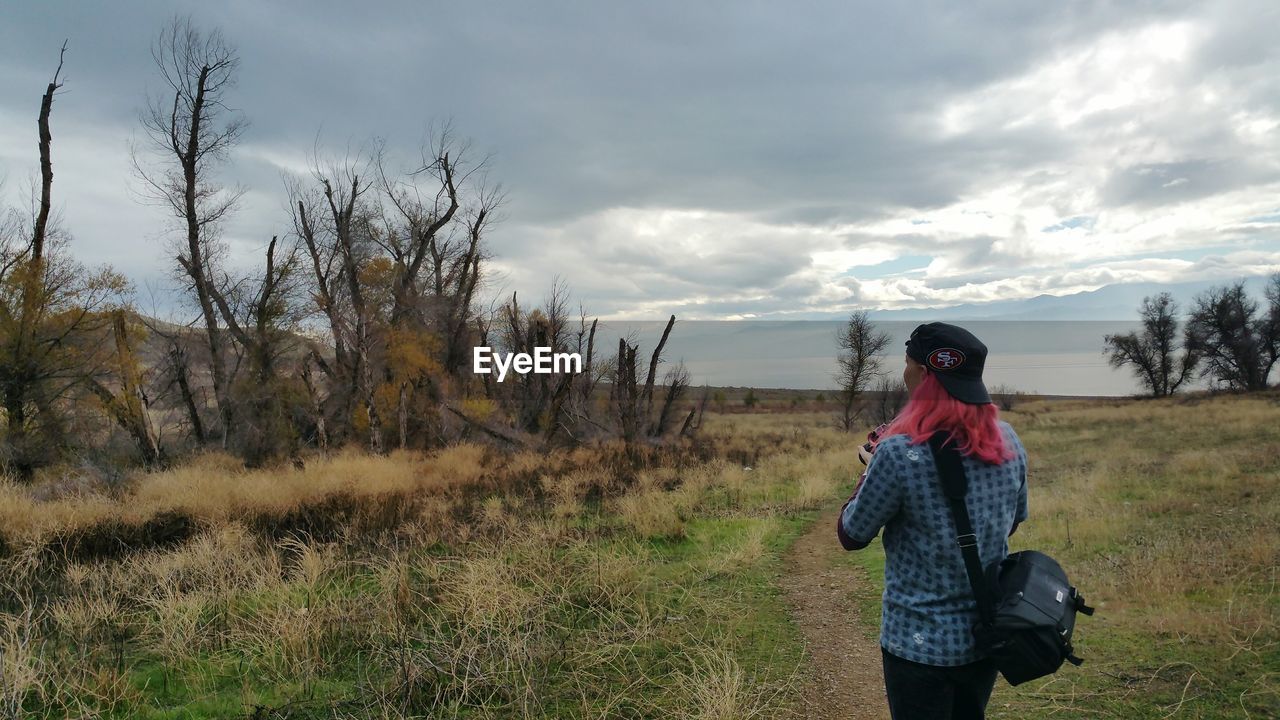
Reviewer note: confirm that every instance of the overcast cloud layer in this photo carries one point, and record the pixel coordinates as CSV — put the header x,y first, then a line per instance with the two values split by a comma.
x,y
722,160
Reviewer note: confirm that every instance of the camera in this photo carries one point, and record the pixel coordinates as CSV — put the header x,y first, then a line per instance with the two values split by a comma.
x,y
869,447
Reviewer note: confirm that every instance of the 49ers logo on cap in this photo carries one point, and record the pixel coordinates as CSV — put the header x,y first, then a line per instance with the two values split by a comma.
x,y
945,359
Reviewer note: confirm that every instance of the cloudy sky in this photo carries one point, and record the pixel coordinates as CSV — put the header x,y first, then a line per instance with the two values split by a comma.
x,y
719,159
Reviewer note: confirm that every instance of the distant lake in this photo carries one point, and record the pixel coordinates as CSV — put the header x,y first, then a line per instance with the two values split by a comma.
x,y
1055,357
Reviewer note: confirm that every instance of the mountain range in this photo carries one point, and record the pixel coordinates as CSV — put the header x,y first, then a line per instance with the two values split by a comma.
x,y
1112,302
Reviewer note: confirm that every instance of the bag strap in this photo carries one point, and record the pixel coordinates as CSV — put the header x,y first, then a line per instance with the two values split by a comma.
x,y
954,486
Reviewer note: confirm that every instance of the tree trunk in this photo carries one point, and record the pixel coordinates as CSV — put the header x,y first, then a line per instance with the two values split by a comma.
x,y
195,263
317,408
46,165
178,365
370,402
653,369
133,401
402,410
15,406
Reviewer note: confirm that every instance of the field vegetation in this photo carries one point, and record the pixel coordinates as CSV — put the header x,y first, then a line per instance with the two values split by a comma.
x,y
457,583
594,582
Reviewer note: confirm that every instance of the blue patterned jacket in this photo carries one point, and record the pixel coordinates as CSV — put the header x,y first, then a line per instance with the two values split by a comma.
x,y
928,607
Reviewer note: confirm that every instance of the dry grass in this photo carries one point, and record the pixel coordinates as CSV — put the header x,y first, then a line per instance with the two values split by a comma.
x,y
23,671
749,550
572,585
524,585
285,638
1164,513
176,630
717,688
215,489
652,514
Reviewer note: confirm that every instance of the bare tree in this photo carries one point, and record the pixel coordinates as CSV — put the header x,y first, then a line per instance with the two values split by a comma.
x,y
1239,347
531,396
1006,397
1269,325
624,397
46,162
178,373
396,261
632,401
260,316
130,407
1152,353
314,225
190,130
433,228
586,347
859,344
677,383
693,421
572,394
317,404
25,273
646,398
333,225
52,318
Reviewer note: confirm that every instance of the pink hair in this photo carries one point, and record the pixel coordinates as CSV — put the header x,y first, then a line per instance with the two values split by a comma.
x,y
974,427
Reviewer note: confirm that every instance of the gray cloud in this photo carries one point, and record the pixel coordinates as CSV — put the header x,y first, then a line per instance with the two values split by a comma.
x,y
1152,185
800,118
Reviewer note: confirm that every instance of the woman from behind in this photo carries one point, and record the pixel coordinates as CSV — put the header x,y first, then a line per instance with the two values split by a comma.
x,y
932,666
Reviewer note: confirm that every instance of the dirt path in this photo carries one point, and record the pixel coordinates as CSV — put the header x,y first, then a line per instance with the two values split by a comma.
x,y
846,680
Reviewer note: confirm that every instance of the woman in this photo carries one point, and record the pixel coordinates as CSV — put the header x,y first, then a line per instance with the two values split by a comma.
x,y
932,667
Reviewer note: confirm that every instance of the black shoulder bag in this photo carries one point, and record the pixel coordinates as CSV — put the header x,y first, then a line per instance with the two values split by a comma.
x,y
1026,607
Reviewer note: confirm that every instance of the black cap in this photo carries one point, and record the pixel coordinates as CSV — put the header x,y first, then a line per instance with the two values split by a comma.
x,y
955,356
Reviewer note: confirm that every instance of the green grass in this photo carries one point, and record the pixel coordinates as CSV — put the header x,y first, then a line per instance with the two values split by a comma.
x,y
753,618
701,607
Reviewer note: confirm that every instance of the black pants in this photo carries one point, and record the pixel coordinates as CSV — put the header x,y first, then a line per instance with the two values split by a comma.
x,y
928,692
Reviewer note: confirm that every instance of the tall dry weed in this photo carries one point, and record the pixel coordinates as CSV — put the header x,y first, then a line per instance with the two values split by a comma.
x,y
178,631
311,563
716,688
24,670
284,638
745,552
651,514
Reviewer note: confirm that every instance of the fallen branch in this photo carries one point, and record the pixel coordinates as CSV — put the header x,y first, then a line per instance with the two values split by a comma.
x,y
484,428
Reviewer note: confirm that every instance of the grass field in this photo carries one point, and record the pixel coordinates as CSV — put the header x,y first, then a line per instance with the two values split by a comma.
x,y
470,584
461,584
1167,514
